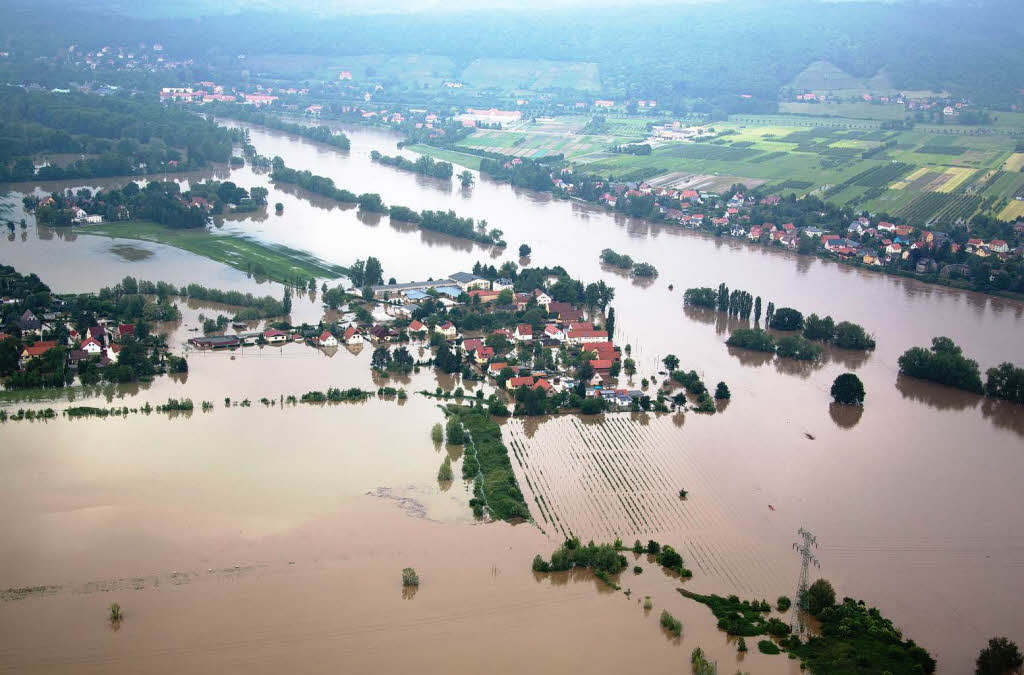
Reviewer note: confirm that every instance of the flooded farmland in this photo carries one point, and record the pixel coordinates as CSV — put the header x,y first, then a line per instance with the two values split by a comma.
x,y
913,499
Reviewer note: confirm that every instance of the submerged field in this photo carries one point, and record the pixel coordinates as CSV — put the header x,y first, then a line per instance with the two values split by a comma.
x,y
273,261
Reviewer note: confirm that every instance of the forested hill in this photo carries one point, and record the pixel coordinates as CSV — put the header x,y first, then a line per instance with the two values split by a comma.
x,y
664,51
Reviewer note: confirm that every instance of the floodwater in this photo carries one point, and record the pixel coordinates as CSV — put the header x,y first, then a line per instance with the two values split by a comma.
x,y
913,499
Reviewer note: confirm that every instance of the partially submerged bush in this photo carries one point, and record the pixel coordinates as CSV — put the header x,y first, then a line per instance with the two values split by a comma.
x,y
409,577
670,623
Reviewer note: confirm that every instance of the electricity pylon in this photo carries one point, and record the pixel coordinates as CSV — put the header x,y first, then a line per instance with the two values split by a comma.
x,y
804,549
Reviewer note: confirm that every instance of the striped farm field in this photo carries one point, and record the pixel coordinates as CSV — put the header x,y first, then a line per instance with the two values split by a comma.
x,y
956,176
1014,162
616,476
899,185
1013,210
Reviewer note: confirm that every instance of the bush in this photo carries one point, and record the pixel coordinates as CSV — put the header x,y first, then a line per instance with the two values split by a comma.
x,y
638,547
818,597
115,612
670,623
648,604
437,433
1006,381
767,647
540,565
753,339
852,336
783,603
455,433
787,318
943,363
999,657
742,646
722,391
600,558
796,347
638,570
653,547
444,474
848,389
409,577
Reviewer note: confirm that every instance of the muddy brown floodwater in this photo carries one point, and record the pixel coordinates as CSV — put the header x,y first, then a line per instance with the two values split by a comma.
x,y
913,499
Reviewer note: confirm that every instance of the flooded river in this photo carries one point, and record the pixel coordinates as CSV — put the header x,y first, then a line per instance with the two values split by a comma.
x,y
914,499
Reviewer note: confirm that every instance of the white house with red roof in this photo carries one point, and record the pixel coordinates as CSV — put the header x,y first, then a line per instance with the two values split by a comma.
x,y
524,332
325,339
580,337
417,326
552,332
92,346
447,330
274,336
352,336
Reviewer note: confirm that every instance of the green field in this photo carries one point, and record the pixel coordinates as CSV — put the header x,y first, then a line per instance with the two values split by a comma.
x,y
279,263
852,110
530,74
460,158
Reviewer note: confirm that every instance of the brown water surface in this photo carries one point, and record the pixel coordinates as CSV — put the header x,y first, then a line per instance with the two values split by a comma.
x,y
913,498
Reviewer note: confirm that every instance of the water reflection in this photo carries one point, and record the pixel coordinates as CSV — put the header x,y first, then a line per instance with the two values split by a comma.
x,y
1004,414
935,395
748,357
845,416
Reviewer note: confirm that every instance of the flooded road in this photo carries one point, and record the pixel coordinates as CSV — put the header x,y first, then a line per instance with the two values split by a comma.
x,y
913,499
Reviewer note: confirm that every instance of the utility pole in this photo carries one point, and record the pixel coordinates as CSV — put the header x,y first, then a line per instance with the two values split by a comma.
x,y
806,559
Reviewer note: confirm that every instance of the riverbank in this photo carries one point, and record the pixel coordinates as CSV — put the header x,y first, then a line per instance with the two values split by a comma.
x,y
273,261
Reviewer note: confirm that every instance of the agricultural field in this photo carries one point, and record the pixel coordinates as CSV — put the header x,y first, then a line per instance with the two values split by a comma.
x,y
940,178
614,476
865,110
526,144
1014,162
1013,211
531,74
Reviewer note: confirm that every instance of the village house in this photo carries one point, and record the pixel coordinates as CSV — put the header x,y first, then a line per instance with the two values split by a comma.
x,y
274,336
36,350
502,284
325,339
352,336
524,332
579,337
416,326
92,347
468,282
447,330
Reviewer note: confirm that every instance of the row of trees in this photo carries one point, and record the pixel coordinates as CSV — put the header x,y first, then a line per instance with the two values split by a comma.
x,y
423,164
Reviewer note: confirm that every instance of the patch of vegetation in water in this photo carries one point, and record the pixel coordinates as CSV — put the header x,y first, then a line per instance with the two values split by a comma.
x,y
741,617
857,639
487,460
602,558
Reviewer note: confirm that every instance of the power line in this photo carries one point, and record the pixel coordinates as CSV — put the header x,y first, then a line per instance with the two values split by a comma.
x,y
806,558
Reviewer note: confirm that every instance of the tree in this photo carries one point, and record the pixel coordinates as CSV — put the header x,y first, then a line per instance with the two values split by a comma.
x,y
1000,657
671,362
373,274
629,365
722,391
786,318
609,324
818,597
466,178
279,207
381,358
848,390
757,309
524,251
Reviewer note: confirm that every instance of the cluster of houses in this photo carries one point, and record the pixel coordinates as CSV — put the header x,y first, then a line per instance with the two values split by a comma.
x,y
101,341
949,108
